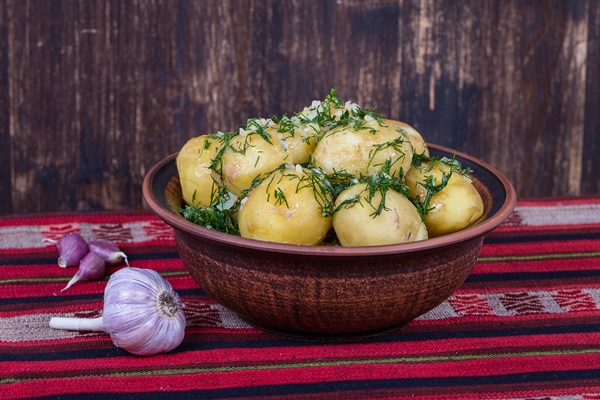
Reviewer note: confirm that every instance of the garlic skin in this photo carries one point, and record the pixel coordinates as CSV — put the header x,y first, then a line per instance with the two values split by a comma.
x,y
142,313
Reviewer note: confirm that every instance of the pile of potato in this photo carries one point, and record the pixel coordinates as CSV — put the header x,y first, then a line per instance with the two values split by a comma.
x,y
332,172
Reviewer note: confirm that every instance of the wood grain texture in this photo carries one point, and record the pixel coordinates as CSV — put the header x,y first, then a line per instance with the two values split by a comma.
x,y
591,142
93,93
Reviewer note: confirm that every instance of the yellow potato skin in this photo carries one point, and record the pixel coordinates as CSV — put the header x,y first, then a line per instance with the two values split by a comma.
x,y
355,226
454,208
299,220
352,151
193,160
300,143
248,156
414,136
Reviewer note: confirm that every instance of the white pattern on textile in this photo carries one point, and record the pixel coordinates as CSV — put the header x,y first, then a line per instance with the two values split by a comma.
x,y
507,304
566,214
32,236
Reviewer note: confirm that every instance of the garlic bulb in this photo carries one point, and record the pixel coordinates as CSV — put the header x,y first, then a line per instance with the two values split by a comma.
x,y
142,313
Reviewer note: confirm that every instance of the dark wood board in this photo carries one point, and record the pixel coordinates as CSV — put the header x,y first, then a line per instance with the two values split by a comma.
x,y
93,93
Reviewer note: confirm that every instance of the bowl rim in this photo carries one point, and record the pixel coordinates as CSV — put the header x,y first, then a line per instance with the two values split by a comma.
x,y
476,231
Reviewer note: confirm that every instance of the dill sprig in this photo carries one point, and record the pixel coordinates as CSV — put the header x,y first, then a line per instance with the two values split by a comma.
x,y
395,144
259,126
432,188
455,166
225,138
382,182
431,185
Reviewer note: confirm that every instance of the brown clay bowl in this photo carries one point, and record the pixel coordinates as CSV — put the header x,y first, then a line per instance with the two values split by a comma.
x,y
325,292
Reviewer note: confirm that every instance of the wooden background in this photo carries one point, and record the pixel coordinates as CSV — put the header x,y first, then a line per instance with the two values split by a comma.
x,y
94,92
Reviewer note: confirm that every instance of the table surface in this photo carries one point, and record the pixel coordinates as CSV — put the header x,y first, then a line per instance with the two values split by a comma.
x,y
525,324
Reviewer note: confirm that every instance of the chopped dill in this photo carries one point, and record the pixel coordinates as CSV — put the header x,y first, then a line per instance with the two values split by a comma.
x,y
218,215
381,182
212,218
280,198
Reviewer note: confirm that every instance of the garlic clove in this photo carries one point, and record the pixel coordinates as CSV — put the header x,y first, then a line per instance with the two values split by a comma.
x,y
92,266
109,251
71,249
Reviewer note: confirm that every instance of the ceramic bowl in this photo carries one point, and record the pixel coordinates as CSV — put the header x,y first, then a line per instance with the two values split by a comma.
x,y
326,292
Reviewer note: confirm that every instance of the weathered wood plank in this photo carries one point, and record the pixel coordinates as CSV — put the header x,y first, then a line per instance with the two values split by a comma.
x,y
570,85
43,132
556,70
5,148
591,142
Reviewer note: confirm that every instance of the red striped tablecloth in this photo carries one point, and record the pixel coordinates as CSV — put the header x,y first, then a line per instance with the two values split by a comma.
x,y
525,324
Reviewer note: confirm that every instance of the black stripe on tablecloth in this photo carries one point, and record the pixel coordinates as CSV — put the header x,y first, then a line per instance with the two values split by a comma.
x,y
47,260
402,336
529,276
339,387
539,238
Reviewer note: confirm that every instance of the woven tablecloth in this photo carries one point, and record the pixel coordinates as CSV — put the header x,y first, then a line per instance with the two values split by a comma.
x,y
525,324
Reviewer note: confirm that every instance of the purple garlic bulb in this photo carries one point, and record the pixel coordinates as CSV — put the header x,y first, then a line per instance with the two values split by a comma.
x,y
142,313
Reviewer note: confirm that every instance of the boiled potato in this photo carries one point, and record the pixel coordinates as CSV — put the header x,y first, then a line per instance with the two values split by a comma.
x,y
297,138
415,137
284,208
193,161
361,147
249,155
457,206
355,225
348,145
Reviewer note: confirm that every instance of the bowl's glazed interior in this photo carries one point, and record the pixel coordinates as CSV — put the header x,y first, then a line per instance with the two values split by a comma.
x,y
329,292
